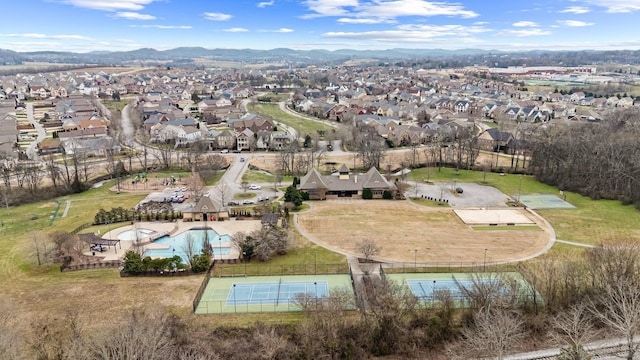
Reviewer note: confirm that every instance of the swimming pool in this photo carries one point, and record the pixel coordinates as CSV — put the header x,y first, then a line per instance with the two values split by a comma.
x,y
131,234
177,245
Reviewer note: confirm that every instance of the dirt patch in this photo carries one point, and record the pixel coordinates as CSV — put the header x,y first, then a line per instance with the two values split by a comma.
x,y
400,228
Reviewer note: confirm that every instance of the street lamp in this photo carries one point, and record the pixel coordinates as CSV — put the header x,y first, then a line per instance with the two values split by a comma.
x,y
315,283
484,264
415,259
519,188
244,258
315,262
235,308
433,291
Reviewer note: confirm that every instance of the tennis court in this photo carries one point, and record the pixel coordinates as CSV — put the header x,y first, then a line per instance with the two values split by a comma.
x,y
544,202
266,293
275,292
426,286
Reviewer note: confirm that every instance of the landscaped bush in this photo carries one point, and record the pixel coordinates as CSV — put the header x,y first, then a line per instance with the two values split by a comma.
x,y
367,194
135,264
387,195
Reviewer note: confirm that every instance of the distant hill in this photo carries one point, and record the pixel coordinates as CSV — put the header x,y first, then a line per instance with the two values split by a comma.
x,y
183,54
186,56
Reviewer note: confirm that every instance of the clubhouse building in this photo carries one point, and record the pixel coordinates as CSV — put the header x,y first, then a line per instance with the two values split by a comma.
x,y
344,185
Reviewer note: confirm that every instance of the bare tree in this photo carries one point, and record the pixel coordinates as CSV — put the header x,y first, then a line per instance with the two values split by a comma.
x,y
368,249
223,191
618,307
189,248
33,175
41,248
574,329
145,335
494,331
196,185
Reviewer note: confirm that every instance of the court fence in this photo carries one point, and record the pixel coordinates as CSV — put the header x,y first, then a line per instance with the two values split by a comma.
x,y
254,306
446,267
252,269
203,286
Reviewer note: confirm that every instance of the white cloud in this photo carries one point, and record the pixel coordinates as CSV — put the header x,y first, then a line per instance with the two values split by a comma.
x,y
616,6
385,9
217,16
525,24
265,3
161,26
574,23
134,16
281,30
576,10
109,5
236,29
44,36
415,33
525,32
481,23
365,21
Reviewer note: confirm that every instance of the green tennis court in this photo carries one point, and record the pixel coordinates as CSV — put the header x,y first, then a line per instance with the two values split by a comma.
x,y
543,201
266,293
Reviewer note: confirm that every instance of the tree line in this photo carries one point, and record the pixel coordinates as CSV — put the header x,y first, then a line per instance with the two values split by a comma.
x,y
599,160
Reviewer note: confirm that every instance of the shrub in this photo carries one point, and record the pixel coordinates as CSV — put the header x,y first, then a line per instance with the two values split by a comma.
x,y
387,195
367,194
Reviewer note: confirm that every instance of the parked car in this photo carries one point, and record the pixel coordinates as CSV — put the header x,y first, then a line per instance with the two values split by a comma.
x,y
233,202
255,187
207,194
224,151
241,159
247,202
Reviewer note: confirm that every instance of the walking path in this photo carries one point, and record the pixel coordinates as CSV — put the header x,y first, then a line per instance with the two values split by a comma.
x,y
575,243
66,209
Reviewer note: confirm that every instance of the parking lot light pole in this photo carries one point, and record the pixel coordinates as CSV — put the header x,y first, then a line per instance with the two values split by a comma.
x,y
235,308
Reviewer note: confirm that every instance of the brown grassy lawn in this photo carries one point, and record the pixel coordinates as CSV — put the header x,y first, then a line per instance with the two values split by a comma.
x,y
399,228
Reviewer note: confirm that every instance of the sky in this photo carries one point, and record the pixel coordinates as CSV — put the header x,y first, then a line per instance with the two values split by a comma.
x,y
122,25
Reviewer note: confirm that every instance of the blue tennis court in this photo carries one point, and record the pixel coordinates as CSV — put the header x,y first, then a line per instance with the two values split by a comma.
x,y
281,292
426,288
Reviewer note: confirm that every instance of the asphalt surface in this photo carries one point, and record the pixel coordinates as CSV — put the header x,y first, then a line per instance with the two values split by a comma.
x,y
473,195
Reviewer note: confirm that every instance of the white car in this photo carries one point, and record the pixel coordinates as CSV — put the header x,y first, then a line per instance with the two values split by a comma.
x,y
255,187
207,194
247,202
224,151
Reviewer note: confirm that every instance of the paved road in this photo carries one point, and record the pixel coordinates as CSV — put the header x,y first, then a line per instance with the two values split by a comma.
x,y
32,152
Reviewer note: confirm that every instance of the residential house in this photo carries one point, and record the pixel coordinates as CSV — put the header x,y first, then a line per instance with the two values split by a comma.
x,y
245,140
494,140
280,140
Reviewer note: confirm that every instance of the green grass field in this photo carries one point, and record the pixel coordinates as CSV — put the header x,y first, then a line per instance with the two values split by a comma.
x,y
303,127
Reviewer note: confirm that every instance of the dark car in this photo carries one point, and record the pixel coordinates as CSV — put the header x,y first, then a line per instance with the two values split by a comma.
x,y
459,190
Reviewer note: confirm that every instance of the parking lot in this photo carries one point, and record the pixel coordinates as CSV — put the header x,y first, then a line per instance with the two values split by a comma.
x,y
473,195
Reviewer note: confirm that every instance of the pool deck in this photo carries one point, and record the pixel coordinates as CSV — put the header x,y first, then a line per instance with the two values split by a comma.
x,y
221,227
